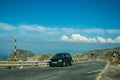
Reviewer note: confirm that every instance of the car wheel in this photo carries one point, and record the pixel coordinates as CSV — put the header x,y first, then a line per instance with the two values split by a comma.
x,y
50,65
64,64
70,63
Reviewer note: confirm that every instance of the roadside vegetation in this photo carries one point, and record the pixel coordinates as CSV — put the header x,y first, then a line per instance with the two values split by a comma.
x,y
112,55
21,55
24,55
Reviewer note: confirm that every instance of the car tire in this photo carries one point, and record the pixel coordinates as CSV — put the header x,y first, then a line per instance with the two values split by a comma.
x,y
63,64
70,63
50,65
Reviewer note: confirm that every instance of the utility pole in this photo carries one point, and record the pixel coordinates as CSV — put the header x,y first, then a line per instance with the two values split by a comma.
x,y
15,52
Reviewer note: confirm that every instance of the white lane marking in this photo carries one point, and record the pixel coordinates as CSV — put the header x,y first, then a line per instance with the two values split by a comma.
x,y
93,71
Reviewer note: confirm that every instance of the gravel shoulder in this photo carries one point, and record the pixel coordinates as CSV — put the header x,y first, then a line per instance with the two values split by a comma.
x,y
111,72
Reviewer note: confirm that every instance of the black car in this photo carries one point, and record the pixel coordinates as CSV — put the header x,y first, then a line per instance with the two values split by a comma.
x,y
61,59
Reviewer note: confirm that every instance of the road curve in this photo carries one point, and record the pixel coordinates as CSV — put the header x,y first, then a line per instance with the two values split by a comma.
x,y
79,71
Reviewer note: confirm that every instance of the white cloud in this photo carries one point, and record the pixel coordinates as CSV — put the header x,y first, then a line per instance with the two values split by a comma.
x,y
80,38
5,26
101,31
113,31
56,32
32,28
117,40
94,30
53,31
70,30
109,40
92,39
27,28
65,38
101,39
40,28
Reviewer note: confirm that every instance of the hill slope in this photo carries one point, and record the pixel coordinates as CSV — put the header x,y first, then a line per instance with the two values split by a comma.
x,y
21,54
88,55
98,54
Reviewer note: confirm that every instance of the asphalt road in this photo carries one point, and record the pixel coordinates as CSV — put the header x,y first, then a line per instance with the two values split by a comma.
x,y
79,71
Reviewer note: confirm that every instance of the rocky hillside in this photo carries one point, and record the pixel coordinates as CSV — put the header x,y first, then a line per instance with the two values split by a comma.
x,y
104,54
25,55
40,57
98,54
21,55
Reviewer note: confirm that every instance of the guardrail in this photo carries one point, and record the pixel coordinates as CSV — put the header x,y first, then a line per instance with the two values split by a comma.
x,y
23,64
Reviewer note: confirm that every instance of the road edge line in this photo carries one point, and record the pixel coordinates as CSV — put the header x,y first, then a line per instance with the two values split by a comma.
x,y
102,71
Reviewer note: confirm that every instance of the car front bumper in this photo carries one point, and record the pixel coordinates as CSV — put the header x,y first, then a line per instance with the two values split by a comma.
x,y
55,64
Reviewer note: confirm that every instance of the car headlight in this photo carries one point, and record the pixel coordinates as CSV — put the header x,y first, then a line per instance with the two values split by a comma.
x,y
59,60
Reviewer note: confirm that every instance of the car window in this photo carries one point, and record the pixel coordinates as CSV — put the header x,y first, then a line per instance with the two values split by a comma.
x,y
60,55
67,55
63,55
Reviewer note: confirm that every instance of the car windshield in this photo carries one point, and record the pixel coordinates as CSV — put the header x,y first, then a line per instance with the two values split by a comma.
x,y
59,56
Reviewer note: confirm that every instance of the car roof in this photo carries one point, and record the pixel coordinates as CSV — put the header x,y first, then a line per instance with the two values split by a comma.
x,y
62,53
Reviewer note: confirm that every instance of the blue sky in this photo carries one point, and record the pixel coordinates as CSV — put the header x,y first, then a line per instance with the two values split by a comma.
x,y
88,21
54,19
62,13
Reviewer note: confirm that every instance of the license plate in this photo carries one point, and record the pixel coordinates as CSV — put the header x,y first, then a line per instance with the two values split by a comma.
x,y
54,62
